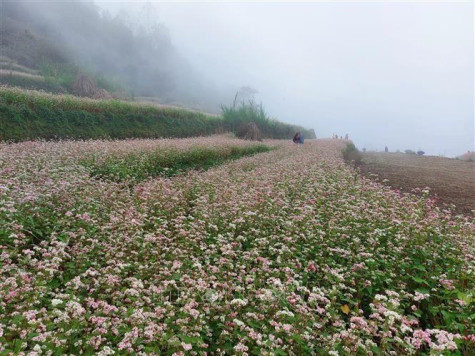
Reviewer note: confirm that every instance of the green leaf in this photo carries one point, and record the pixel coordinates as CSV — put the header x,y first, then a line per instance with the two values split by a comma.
x,y
420,280
466,297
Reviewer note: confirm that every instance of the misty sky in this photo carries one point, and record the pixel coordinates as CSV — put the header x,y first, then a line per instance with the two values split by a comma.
x,y
399,74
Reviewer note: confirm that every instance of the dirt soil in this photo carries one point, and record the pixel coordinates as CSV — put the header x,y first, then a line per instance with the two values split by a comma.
x,y
452,181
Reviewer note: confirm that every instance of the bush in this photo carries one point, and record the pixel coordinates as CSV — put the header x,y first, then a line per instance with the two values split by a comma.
x,y
410,152
235,118
351,154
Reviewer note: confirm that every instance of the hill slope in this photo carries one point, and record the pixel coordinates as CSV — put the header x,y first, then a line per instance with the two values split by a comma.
x,y
27,115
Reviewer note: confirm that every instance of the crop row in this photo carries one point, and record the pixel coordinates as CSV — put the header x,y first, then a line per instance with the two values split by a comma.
x,y
288,252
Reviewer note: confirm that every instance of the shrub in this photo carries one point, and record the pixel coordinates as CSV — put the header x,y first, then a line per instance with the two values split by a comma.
x,y
351,154
236,117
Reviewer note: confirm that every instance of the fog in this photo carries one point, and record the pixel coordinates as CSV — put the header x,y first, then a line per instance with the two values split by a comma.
x,y
395,74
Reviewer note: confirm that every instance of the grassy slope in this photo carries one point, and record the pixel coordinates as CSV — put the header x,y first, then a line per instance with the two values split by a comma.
x,y
27,115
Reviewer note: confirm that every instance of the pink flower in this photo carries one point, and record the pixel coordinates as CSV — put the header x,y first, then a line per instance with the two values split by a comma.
x,y
311,267
186,347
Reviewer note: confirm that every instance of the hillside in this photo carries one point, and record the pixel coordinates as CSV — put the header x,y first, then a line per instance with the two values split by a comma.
x,y
28,115
60,40
74,48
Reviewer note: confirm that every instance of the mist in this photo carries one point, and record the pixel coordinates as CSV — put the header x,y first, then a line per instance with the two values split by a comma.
x,y
395,74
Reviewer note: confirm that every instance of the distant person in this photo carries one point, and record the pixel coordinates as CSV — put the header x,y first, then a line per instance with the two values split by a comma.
x,y
386,149
296,138
301,138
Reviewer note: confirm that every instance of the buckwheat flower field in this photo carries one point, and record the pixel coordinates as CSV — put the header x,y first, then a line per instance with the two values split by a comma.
x,y
286,252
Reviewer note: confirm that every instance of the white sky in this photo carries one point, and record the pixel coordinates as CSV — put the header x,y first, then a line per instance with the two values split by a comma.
x,y
399,74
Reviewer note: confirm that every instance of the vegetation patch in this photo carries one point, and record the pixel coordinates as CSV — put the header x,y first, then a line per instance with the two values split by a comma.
x,y
238,117
138,166
28,115
29,81
351,154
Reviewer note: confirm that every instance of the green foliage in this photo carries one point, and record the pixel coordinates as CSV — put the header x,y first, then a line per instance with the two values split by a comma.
x,y
235,117
25,116
30,115
139,166
59,73
111,84
351,154
64,74
31,82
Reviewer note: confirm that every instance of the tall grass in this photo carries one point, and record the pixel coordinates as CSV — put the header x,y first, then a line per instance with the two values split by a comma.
x,y
236,116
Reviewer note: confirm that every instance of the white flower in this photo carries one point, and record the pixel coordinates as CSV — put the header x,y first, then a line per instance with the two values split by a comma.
x,y
238,322
37,348
240,302
56,302
285,312
106,351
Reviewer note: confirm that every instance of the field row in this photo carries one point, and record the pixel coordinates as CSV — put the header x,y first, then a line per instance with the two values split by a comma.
x,y
286,252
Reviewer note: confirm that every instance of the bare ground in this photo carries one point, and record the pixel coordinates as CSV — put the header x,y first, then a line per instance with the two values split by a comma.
x,y
452,181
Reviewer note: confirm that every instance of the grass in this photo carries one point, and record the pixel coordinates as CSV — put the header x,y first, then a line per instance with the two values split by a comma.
x,y
29,81
138,166
29,115
235,117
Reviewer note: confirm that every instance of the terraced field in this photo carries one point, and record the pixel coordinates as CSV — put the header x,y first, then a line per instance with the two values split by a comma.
x,y
451,181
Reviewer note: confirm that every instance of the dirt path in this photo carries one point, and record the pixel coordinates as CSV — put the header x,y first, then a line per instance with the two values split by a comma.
x,y
451,180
